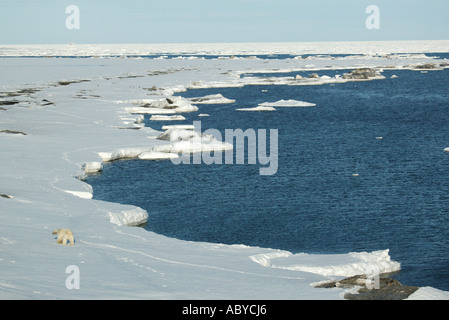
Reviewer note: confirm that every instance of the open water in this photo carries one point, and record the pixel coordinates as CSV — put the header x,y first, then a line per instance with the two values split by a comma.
x,y
363,170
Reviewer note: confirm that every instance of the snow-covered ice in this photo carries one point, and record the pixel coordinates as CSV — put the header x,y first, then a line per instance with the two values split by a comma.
x,y
258,108
328,265
270,106
42,173
212,99
179,126
229,49
154,155
288,103
167,118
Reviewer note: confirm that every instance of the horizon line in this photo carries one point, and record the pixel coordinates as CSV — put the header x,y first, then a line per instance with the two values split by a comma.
x,y
226,42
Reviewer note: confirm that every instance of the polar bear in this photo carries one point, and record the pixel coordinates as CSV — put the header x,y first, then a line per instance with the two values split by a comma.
x,y
64,236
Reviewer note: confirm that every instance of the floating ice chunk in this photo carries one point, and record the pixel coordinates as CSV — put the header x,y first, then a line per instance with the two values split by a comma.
x,y
258,108
203,115
179,104
355,263
122,154
133,217
168,105
200,145
363,74
186,108
287,103
155,155
190,141
212,99
167,118
92,167
175,134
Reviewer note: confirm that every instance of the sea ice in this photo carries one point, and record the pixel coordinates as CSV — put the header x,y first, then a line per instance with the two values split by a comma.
x,y
190,141
155,155
92,167
80,194
177,103
155,111
258,108
287,103
212,99
167,118
179,126
172,104
429,293
39,193
330,265
132,217
200,145
125,153
176,134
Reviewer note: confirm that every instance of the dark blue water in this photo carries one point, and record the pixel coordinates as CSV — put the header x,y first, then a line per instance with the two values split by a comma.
x,y
314,204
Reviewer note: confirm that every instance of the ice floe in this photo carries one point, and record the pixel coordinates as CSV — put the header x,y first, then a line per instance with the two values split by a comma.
x,y
176,134
133,217
287,103
258,108
191,141
92,167
167,118
330,265
169,105
125,153
179,126
155,155
212,99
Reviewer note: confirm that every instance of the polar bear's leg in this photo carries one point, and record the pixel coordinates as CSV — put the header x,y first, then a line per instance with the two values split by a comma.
x,y
60,238
71,239
65,238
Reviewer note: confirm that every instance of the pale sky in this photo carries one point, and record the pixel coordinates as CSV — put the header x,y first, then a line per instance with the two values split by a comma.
x,y
212,21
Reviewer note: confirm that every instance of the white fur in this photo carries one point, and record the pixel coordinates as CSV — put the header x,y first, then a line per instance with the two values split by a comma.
x,y
64,236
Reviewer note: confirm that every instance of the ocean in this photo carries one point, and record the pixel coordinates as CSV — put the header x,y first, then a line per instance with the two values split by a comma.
x,y
363,170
